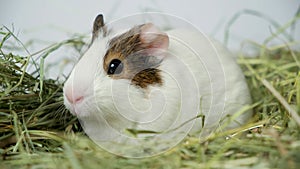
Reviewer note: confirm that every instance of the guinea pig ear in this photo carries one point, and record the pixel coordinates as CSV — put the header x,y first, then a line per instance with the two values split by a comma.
x,y
98,27
152,37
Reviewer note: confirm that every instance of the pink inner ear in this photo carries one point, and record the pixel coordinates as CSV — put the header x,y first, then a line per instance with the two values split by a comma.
x,y
152,37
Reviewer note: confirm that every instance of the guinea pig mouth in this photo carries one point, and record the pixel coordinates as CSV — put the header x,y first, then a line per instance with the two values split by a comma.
x,y
78,109
75,109
72,107
78,106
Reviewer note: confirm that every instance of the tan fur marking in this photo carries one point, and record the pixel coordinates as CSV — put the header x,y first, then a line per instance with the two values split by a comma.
x,y
139,66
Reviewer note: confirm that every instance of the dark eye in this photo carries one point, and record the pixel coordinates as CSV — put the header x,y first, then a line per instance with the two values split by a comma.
x,y
115,67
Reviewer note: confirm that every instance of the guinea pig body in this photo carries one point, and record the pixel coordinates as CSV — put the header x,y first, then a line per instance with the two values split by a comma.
x,y
145,79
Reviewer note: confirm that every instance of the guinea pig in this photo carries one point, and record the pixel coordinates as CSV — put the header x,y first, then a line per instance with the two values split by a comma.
x,y
148,80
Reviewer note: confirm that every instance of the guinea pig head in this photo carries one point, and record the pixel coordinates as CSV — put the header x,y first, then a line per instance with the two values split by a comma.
x,y
112,64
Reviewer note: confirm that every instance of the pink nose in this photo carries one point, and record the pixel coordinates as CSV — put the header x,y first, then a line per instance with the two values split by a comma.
x,y
73,98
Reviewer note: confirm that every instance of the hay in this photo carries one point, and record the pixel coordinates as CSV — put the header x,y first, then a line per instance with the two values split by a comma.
x,y
37,132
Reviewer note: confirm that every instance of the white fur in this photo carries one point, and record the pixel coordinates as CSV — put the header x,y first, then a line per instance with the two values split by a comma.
x,y
199,77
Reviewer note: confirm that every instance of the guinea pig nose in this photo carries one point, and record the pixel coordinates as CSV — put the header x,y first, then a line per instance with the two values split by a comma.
x,y
73,99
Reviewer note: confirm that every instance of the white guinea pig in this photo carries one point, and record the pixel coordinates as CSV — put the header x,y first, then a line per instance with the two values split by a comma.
x,y
146,79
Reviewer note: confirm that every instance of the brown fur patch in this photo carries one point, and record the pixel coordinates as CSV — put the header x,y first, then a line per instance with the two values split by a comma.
x,y
139,66
147,77
98,27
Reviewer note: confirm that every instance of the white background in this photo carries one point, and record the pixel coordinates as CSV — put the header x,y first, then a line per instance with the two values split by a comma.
x,y
55,20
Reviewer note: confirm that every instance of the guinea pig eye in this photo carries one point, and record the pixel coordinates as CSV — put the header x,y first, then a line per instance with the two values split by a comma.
x,y
115,67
